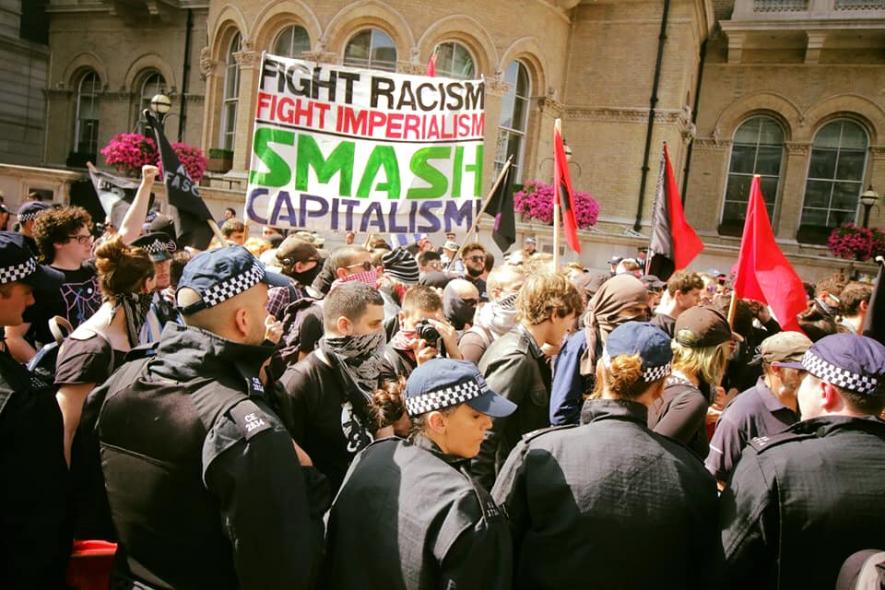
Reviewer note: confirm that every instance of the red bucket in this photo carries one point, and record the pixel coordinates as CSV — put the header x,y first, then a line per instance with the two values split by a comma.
x,y
90,565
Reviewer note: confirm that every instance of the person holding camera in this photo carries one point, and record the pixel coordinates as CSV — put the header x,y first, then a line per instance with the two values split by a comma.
x,y
423,333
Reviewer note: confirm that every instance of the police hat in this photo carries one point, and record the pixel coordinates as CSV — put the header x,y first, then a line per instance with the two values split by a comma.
x,y
651,344
224,273
30,209
444,383
849,361
158,245
18,264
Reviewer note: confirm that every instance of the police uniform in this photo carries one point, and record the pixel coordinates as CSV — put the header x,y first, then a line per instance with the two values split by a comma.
x,y
34,536
409,516
800,503
611,504
159,247
203,483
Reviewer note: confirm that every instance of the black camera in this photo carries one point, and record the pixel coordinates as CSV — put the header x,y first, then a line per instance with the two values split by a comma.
x,y
427,332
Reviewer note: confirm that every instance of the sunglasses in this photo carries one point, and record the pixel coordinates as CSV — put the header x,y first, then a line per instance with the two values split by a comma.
x,y
367,265
478,258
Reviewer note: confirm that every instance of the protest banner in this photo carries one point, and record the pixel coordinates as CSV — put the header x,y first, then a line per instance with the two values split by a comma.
x,y
347,149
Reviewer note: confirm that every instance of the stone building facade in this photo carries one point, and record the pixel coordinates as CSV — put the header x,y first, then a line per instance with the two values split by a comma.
x,y
790,89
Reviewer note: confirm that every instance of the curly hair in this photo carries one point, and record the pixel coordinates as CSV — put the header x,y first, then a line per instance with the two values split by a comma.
x,y
623,377
387,405
122,269
544,293
53,226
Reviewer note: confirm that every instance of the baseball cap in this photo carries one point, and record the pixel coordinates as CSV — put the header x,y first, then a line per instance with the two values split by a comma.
x,y
221,274
400,265
443,383
615,259
785,349
30,209
158,245
850,361
450,245
294,249
529,240
701,326
18,264
652,282
651,344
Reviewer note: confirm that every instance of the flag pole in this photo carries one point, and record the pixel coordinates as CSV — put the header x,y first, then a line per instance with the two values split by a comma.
x,y
474,228
557,125
659,193
215,230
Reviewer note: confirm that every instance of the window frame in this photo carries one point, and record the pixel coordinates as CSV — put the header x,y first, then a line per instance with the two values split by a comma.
x,y
521,134
94,96
369,63
146,77
285,29
228,128
735,228
449,73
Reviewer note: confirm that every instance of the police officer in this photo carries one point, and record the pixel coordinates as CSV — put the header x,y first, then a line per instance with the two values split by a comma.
x,y
159,247
800,503
612,504
204,484
408,514
33,473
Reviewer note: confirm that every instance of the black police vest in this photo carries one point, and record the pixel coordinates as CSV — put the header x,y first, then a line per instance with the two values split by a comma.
x,y
152,436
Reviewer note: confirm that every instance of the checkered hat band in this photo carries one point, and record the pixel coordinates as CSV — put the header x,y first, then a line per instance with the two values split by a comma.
x,y
29,216
649,374
838,376
158,246
10,274
444,398
232,287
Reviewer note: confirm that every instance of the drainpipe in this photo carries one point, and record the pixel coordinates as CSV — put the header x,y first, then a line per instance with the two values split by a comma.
x,y
182,118
662,37
694,117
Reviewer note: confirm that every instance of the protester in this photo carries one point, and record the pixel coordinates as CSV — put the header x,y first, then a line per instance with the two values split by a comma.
x,y
620,299
611,504
629,266
33,521
515,366
429,261
683,292
855,298
399,272
160,249
655,288
701,349
349,238
300,261
408,514
449,251
389,410
765,409
324,399
474,259
421,315
98,346
613,264
800,503
220,492
234,232
529,246
497,317
460,300
816,322
352,263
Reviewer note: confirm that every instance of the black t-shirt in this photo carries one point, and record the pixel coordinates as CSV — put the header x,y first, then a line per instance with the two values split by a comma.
x,y
90,360
77,299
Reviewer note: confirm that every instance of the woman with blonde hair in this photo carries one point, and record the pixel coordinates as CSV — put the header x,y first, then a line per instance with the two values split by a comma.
x,y
702,345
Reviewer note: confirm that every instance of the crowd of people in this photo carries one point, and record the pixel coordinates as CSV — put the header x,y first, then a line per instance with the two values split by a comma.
x,y
271,414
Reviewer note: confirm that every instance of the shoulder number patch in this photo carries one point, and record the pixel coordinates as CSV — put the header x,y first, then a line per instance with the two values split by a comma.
x,y
250,419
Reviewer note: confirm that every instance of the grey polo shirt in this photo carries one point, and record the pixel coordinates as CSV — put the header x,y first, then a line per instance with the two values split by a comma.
x,y
755,412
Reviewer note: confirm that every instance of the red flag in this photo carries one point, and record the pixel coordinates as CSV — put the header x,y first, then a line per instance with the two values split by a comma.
x,y
563,190
763,272
431,65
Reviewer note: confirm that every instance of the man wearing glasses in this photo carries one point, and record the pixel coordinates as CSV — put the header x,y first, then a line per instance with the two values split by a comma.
x,y
474,257
65,241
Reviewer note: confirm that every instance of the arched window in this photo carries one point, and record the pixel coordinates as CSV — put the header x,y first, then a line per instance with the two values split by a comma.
x,y
153,84
758,149
371,48
292,42
86,122
231,95
454,61
835,178
514,118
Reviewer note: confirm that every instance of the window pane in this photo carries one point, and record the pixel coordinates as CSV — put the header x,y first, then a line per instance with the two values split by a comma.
x,y
814,217
462,65
292,42
817,193
358,48
738,189
383,51
519,111
769,191
851,165
845,195
522,81
823,164
828,136
853,136
742,158
770,132
734,213
748,132
768,160
507,112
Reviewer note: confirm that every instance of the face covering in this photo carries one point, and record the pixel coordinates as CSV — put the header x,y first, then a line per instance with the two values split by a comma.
x,y
499,316
360,356
307,277
369,277
135,309
458,311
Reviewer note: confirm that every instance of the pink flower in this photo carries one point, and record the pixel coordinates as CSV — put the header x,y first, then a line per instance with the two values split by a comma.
x,y
535,201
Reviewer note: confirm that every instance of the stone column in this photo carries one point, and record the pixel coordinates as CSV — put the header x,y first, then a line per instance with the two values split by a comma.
x,y
495,88
793,191
249,62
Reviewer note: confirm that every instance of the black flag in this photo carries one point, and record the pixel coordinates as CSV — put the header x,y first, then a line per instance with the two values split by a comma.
x,y
186,206
501,208
874,322
114,192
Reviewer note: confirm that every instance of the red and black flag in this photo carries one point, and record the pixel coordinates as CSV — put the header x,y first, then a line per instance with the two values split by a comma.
x,y
562,183
500,206
187,208
674,243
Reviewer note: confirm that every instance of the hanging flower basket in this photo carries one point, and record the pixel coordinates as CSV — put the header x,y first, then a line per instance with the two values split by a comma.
x,y
535,202
128,152
856,243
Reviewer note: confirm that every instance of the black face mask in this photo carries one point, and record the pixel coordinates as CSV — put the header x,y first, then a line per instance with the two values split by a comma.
x,y
306,278
459,312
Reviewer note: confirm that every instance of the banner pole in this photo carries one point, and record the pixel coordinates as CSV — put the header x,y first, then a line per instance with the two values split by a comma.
x,y
732,308
215,230
556,189
474,228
